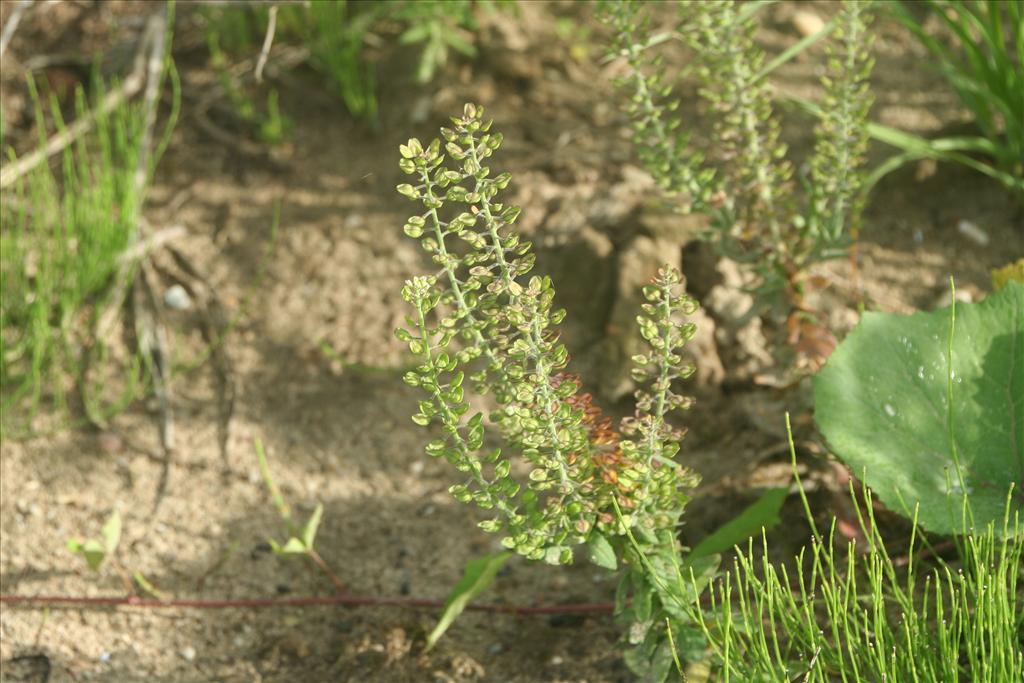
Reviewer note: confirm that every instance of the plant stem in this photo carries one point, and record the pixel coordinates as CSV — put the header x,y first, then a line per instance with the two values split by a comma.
x,y
535,338
345,600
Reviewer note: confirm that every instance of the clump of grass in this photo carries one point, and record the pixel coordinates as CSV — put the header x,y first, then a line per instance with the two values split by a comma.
x,y
865,615
868,619
336,34
64,233
984,64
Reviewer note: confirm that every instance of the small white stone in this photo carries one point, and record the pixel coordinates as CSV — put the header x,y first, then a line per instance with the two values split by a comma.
x,y
189,653
420,110
807,23
177,298
973,232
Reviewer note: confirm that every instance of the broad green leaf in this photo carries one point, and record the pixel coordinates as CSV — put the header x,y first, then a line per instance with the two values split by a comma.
x,y
882,403
476,577
642,601
600,552
691,645
651,660
763,513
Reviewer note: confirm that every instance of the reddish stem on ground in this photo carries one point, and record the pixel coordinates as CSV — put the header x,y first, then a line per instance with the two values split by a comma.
x,y
255,603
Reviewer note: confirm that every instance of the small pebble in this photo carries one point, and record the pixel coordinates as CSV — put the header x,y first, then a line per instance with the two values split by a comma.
x,y
566,620
495,648
807,23
294,645
177,298
556,660
260,549
104,656
189,653
420,110
109,443
973,232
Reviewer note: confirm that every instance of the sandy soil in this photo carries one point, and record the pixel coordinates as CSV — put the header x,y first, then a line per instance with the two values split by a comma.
x,y
317,374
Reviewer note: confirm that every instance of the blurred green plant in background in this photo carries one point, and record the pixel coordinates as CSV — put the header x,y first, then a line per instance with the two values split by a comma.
x,y
65,233
743,180
268,123
981,53
439,25
337,35
72,240
334,33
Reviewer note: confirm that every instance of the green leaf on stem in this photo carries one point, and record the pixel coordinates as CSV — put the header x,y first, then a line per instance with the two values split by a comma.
x,y
476,577
762,514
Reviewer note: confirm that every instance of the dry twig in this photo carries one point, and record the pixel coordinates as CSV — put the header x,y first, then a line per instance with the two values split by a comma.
x,y
214,326
156,32
268,40
153,43
152,346
12,24
150,332
112,100
150,243
340,600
